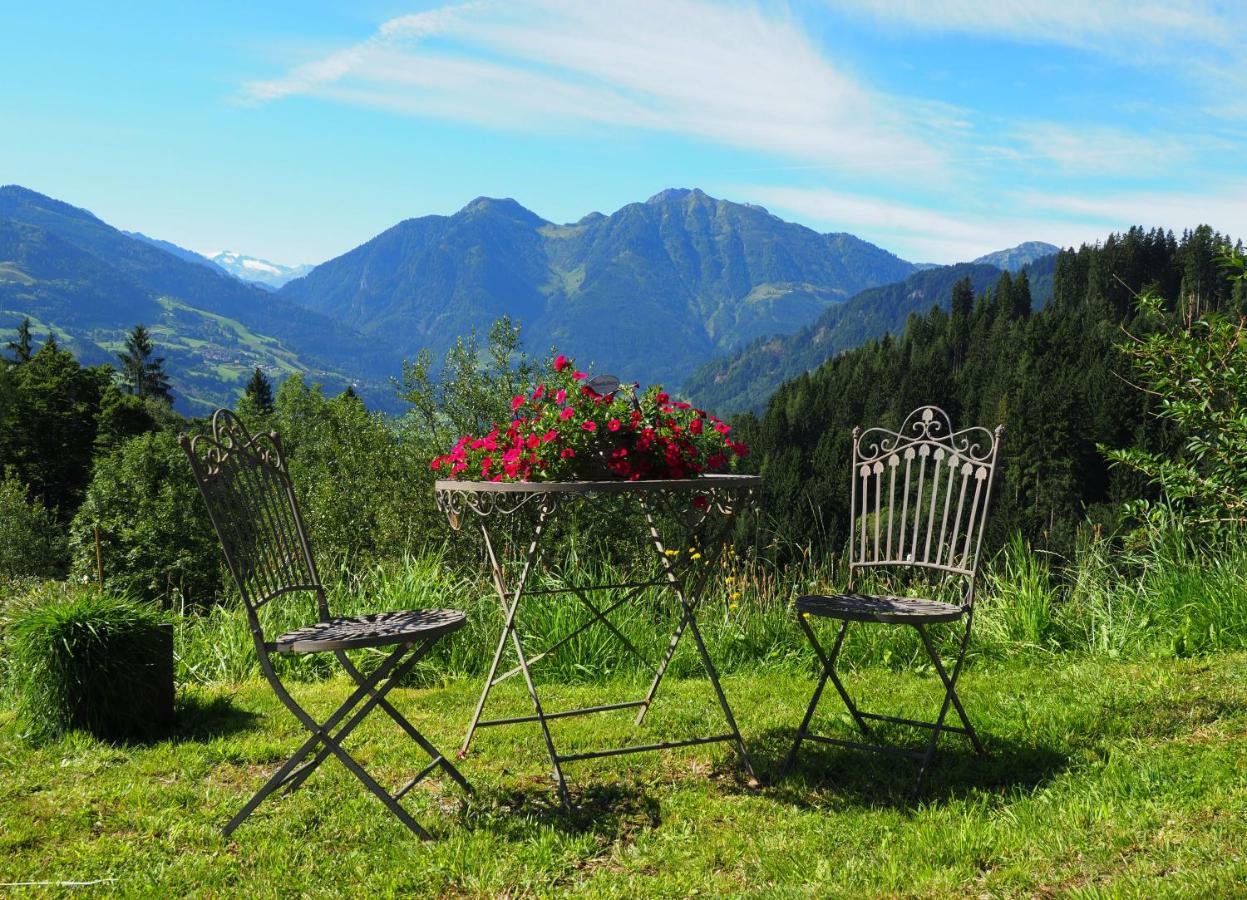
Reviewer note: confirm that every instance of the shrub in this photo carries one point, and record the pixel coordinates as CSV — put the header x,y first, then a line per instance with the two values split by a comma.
x,y
156,539
364,494
81,658
32,543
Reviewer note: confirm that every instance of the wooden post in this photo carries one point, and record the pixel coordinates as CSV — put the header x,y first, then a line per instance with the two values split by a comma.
x,y
99,558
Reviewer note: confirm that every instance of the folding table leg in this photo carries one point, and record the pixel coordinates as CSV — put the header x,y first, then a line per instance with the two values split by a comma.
x,y
512,607
688,620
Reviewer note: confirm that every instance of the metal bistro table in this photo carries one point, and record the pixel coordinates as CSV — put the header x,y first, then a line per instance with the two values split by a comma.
x,y
692,506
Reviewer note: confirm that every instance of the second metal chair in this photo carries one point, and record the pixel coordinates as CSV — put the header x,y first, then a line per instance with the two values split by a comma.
x,y
919,502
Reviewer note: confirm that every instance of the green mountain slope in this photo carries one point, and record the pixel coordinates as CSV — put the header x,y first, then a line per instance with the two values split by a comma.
x,y
648,292
746,379
89,282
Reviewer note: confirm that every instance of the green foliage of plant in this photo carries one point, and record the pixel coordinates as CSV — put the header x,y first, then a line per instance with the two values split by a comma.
x,y
471,390
156,540
363,491
1196,368
1056,378
32,542
141,370
79,657
48,411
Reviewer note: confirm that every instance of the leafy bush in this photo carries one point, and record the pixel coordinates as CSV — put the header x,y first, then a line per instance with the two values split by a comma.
x,y
365,494
78,657
32,543
156,539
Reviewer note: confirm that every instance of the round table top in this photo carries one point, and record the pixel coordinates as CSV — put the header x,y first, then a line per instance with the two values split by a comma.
x,y
701,483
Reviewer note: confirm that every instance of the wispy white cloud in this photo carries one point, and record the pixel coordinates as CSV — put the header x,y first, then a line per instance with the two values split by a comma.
x,y
1093,150
1124,24
668,65
1224,208
919,232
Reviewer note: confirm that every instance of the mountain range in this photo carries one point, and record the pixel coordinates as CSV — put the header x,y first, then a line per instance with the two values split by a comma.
x,y
655,291
648,292
88,282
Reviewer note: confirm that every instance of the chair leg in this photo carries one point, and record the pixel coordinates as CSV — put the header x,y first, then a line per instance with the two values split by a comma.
x,y
950,700
425,744
828,663
371,692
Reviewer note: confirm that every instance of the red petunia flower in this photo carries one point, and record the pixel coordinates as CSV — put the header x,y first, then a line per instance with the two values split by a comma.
x,y
589,425
614,424
516,403
567,413
560,363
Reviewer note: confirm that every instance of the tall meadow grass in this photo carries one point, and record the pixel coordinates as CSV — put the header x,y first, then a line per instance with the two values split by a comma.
x,y
1170,596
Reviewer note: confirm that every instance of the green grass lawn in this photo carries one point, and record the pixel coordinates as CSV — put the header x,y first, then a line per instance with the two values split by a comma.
x,y
1103,778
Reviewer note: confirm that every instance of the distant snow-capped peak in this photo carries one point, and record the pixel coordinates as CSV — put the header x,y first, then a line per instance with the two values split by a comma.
x,y
260,271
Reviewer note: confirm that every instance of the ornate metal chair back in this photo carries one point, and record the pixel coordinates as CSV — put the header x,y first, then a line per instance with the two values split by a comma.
x,y
250,499
920,496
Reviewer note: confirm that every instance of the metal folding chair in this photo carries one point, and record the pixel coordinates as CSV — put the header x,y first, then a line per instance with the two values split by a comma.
x,y
919,502
250,499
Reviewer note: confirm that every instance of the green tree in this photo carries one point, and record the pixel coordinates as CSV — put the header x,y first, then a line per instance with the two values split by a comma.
x,y
156,539
259,391
142,371
48,423
22,347
1197,371
31,541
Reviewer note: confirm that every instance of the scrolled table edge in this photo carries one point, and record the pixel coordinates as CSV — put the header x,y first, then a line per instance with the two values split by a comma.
x,y
701,483
485,498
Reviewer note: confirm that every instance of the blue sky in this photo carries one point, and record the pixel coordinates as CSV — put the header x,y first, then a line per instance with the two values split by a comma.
x,y
939,129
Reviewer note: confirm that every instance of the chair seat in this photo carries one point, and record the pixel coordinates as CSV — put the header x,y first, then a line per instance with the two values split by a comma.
x,y
374,630
868,608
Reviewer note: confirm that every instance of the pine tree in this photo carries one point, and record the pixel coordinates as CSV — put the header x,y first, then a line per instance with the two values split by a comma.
x,y
143,373
259,391
22,347
1021,297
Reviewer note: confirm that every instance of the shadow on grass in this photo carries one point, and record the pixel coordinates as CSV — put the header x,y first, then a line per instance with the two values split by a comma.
x,y
196,719
614,811
823,772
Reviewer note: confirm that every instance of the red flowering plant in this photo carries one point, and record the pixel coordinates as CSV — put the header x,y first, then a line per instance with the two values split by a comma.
x,y
571,427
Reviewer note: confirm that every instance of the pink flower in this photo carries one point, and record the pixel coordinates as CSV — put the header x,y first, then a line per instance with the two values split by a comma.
x,y
541,389
549,436
579,376
567,453
662,397
560,395
722,427
589,425
694,427
614,424
516,403
567,413
560,363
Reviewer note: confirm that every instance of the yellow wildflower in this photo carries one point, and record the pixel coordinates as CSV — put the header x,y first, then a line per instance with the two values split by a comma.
x,y
695,556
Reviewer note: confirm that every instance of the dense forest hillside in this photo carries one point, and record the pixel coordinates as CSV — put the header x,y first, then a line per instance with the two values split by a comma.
x,y
746,379
648,292
88,282
1054,377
